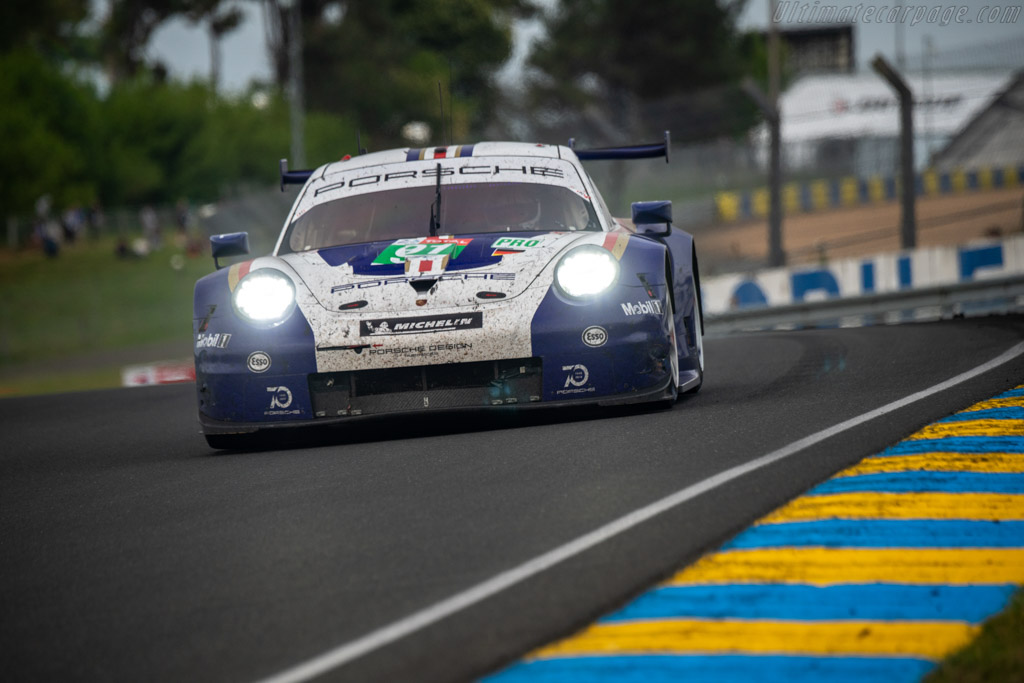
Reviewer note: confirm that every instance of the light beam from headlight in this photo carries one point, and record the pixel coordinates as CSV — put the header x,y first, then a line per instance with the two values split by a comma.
x,y
586,271
265,296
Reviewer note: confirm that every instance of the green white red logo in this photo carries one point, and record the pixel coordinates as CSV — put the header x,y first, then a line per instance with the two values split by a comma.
x,y
506,246
421,248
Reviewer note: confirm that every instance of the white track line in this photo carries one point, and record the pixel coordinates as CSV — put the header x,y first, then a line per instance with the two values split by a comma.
x,y
428,616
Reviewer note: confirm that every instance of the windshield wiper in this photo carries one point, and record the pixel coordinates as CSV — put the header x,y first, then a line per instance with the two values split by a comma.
x,y
435,207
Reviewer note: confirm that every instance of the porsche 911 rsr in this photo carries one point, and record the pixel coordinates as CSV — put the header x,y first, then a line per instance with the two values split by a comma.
x,y
480,276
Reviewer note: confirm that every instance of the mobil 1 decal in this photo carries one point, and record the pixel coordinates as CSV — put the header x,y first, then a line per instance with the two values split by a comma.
x,y
649,307
397,252
507,246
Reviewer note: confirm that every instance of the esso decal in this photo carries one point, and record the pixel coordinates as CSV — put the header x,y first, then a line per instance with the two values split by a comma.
x,y
595,336
258,361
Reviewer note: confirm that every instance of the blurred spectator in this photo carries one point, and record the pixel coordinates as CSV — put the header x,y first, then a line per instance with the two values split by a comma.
x,y
95,220
182,217
71,222
150,226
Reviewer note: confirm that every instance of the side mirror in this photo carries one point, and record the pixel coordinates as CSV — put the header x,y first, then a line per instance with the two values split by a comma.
x,y
229,244
653,218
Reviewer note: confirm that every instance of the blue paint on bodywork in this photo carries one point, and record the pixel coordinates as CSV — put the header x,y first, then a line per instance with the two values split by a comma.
x,y
226,388
634,358
477,254
624,363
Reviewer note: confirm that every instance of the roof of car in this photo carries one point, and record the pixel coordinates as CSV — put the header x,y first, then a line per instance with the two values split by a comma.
x,y
479,149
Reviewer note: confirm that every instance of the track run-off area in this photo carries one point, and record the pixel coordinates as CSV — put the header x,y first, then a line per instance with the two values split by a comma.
x,y
447,547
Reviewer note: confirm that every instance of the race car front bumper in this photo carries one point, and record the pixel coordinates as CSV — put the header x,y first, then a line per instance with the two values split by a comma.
x,y
444,401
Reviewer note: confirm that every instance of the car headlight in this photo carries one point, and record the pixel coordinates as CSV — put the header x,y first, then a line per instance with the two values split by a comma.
x,y
586,271
264,296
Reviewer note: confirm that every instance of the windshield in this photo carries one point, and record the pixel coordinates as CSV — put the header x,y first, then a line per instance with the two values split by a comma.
x,y
465,208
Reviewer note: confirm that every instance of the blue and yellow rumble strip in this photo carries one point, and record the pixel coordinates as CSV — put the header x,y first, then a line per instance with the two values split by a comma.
x,y
877,574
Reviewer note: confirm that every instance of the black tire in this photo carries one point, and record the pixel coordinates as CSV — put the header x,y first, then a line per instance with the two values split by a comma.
x,y
673,391
698,324
230,442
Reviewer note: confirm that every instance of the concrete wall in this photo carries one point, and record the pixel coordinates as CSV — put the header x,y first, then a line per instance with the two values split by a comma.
x,y
920,267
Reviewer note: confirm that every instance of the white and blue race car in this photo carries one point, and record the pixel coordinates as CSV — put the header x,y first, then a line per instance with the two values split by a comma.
x,y
455,277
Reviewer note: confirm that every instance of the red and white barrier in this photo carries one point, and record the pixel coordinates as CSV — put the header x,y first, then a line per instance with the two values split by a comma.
x,y
166,372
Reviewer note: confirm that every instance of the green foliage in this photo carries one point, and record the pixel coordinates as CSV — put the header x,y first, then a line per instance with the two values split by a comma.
x,y
171,140
145,142
652,48
329,138
381,64
613,53
116,302
48,125
995,656
127,30
43,24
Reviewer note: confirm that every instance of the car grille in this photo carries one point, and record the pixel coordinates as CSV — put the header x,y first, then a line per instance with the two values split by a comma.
x,y
455,385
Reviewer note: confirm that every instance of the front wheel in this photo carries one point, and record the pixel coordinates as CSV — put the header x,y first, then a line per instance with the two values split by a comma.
x,y
231,442
695,333
673,355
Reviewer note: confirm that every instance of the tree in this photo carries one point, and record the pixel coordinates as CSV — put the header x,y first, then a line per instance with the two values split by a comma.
x,y
127,30
49,128
379,62
220,21
42,24
615,56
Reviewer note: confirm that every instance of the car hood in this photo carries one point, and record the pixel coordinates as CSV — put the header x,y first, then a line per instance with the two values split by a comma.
x,y
429,272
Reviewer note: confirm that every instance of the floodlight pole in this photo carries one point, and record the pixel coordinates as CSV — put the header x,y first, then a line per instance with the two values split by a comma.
x,y
776,256
296,94
908,194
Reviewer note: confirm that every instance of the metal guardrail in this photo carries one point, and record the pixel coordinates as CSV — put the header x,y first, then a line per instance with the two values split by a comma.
x,y
973,297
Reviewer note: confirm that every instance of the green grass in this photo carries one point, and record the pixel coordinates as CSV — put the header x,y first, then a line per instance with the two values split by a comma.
x,y
87,299
995,656
60,382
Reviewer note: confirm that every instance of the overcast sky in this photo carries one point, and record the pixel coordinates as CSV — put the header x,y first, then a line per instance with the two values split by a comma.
x,y
185,49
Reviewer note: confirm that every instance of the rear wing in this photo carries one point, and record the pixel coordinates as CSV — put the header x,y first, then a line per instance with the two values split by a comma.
x,y
292,177
650,151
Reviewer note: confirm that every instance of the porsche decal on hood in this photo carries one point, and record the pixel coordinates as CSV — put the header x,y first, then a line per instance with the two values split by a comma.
x,y
407,274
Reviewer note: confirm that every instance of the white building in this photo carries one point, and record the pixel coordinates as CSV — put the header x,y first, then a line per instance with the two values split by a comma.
x,y
850,122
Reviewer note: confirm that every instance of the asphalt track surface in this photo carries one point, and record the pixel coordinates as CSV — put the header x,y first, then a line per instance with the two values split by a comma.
x,y
131,551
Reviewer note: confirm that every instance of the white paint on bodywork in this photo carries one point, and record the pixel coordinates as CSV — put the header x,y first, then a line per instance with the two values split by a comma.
x,y
494,154
506,322
506,330
333,286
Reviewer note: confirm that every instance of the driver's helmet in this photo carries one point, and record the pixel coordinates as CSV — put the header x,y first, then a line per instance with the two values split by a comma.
x,y
514,208
579,217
